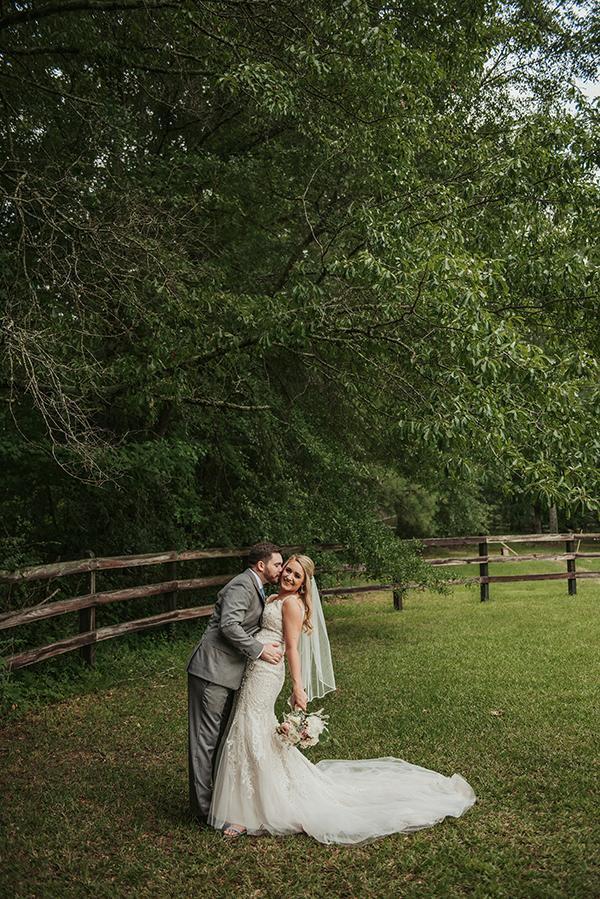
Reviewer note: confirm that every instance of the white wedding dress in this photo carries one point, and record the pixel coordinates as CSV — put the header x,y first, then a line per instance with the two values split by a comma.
x,y
270,787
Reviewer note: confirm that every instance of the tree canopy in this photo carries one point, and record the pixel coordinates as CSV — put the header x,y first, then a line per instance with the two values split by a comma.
x,y
260,260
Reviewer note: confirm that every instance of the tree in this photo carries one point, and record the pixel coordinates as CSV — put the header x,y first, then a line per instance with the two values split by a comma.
x,y
249,252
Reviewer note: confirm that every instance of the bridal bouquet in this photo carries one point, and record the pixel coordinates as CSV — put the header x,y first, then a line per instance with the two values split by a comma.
x,y
302,729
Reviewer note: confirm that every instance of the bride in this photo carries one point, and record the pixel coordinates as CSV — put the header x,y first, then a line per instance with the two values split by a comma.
x,y
264,785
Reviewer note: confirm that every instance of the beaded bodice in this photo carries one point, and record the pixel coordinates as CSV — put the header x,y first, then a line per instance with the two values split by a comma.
x,y
271,630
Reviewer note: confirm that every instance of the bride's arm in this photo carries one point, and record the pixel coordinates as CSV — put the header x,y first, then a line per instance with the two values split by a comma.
x,y
293,616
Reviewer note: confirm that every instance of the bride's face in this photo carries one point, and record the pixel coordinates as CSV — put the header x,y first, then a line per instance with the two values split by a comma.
x,y
292,576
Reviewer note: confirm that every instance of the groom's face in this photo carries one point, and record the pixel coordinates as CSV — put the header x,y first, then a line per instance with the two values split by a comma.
x,y
272,568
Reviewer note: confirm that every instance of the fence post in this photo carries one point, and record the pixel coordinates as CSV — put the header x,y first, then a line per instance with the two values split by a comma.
x,y
171,598
484,588
398,604
572,581
87,622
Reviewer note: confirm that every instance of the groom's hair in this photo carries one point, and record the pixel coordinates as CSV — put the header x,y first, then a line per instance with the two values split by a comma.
x,y
261,552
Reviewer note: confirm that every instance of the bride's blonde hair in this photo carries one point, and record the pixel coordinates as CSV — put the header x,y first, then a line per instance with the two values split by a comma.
x,y
305,591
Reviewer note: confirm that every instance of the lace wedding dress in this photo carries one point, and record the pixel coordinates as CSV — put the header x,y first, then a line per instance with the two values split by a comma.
x,y
271,787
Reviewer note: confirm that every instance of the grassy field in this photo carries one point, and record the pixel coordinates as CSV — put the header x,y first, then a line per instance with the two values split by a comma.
x,y
506,693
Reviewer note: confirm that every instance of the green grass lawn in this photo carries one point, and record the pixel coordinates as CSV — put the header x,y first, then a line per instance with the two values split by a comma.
x,y
94,787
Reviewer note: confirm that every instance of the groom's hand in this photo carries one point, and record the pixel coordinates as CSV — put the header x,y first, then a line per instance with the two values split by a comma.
x,y
272,653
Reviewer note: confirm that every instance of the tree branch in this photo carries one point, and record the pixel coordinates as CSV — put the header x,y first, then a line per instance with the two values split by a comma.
x,y
70,6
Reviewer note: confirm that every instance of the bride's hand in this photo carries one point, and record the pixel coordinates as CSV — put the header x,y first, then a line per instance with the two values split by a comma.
x,y
299,699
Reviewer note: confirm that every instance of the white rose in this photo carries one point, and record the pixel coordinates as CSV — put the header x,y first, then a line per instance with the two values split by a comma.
x,y
314,727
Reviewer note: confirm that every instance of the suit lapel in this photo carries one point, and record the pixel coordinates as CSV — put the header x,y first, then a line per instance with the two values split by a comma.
x,y
256,587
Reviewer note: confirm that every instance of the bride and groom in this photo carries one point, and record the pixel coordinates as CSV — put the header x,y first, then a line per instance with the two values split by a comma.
x,y
243,777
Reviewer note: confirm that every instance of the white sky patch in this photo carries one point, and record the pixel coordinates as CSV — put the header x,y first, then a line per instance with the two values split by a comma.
x,y
591,89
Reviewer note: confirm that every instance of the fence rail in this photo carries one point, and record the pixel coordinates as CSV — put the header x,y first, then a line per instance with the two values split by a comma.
x,y
89,634
108,563
507,538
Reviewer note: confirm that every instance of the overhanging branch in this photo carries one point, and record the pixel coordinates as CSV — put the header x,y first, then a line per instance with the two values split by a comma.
x,y
54,9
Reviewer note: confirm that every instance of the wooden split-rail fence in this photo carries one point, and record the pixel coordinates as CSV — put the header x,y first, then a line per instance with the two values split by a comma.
x,y
483,559
90,635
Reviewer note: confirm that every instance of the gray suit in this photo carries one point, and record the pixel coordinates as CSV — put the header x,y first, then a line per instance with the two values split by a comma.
x,y
215,672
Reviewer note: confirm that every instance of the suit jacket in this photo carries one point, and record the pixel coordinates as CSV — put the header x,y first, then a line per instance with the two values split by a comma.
x,y
228,641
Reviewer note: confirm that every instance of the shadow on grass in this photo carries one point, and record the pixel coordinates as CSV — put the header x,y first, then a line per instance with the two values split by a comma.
x,y
95,788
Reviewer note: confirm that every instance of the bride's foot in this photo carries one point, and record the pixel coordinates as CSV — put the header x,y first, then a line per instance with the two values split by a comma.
x,y
233,830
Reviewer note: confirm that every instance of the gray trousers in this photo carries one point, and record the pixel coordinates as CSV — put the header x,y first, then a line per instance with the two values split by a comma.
x,y
209,709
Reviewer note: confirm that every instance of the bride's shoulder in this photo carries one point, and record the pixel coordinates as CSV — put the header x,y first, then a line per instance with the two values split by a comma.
x,y
293,601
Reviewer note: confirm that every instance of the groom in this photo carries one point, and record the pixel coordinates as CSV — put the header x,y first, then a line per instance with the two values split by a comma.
x,y
217,664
